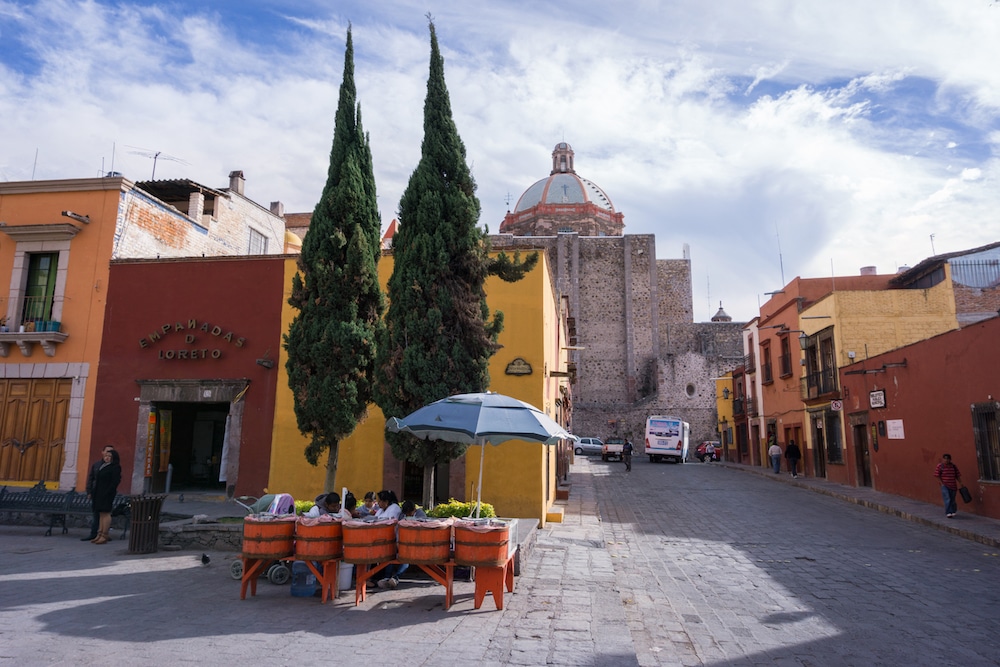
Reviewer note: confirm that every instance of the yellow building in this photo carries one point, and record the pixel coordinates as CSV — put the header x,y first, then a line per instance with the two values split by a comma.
x,y
519,478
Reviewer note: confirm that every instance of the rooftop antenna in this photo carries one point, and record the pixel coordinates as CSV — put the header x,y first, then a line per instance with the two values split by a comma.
x,y
156,155
932,246
33,166
781,263
507,200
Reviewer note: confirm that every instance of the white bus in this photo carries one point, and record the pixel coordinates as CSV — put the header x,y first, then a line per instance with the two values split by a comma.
x,y
667,439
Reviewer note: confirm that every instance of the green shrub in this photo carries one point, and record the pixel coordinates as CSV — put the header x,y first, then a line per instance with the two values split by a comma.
x,y
459,509
303,506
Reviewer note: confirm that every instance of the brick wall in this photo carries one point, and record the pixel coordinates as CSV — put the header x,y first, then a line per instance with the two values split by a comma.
x,y
148,227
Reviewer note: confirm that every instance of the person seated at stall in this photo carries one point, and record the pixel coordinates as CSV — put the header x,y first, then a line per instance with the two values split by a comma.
x,y
334,508
411,511
350,506
320,507
388,505
368,506
388,508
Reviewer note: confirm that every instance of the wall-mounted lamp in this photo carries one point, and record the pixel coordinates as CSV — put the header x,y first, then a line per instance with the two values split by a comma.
x,y
725,393
266,362
76,216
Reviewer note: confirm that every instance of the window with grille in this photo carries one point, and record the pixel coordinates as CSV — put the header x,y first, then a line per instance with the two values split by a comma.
x,y
258,243
987,435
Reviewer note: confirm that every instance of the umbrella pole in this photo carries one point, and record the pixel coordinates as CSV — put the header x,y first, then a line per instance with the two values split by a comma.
x,y
479,489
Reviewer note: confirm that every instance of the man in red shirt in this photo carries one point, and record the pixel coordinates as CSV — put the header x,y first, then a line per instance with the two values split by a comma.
x,y
950,478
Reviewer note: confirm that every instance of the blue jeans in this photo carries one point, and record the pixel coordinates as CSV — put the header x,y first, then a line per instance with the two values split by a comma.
x,y
391,571
776,462
948,496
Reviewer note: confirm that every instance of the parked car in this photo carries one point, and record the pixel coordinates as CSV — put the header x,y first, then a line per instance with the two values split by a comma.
x,y
612,449
589,446
700,451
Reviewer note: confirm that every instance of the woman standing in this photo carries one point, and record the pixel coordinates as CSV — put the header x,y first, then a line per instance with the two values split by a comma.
x,y
109,476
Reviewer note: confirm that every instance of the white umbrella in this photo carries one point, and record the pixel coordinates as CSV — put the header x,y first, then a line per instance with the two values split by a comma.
x,y
477,419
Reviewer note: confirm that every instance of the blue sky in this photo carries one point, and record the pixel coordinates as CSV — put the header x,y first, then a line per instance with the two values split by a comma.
x,y
844,133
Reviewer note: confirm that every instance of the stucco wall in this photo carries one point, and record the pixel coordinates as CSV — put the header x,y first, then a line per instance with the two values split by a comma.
x,y
931,396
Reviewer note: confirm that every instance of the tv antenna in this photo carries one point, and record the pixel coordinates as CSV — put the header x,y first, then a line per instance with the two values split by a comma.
x,y
156,155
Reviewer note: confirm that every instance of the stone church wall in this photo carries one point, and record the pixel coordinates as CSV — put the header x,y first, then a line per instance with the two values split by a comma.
x,y
642,353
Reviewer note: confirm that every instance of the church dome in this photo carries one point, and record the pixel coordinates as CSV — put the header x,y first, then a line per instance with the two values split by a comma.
x,y
564,201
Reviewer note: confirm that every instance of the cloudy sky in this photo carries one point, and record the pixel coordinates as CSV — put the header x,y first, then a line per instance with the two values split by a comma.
x,y
775,138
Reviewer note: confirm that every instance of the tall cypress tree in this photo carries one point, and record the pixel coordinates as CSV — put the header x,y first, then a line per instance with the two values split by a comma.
x,y
331,342
439,333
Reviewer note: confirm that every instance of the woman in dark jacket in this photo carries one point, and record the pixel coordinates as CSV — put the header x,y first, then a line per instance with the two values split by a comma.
x,y
109,476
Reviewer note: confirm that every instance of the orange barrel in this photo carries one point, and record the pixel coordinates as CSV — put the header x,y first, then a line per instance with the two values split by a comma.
x,y
369,542
319,541
481,546
425,544
267,539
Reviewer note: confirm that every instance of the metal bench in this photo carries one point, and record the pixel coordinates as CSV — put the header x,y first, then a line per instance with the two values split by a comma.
x,y
60,504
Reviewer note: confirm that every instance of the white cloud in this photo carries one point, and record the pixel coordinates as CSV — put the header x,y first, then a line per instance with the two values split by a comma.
x,y
848,132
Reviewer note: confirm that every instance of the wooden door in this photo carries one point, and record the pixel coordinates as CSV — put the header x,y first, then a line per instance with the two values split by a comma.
x,y
33,419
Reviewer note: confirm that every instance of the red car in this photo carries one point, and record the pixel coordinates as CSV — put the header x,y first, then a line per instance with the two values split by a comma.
x,y
702,455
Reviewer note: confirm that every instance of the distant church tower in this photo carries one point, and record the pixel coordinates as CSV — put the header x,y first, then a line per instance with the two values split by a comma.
x,y
635,348
563,202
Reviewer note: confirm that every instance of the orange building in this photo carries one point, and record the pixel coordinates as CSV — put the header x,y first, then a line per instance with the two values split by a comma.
x,y
57,240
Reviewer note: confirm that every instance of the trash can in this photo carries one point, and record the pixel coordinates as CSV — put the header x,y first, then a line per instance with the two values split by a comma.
x,y
145,526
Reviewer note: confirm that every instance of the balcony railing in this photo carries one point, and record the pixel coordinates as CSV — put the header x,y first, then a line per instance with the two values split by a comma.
x,y
785,364
33,326
750,363
765,374
817,384
36,315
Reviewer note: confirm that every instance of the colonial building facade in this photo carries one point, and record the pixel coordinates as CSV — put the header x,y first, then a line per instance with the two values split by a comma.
x,y
57,240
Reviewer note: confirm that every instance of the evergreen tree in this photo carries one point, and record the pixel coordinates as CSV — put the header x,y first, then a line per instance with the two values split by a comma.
x,y
439,334
331,342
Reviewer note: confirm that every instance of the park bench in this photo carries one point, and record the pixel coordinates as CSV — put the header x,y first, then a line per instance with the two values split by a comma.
x,y
58,505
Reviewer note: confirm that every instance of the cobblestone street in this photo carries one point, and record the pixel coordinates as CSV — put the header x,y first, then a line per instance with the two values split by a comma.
x,y
699,564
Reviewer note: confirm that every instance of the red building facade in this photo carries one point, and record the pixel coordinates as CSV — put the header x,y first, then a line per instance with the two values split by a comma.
x,y
907,407
186,387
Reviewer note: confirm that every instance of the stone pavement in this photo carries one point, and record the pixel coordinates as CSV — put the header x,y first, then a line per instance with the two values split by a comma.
x,y
667,565
970,526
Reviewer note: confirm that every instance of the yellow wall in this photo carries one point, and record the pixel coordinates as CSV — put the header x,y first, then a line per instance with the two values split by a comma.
x,y
518,478
873,322
724,412
868,323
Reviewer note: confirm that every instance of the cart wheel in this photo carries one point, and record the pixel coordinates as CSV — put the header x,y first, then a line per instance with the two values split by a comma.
x,y
278,574
236,569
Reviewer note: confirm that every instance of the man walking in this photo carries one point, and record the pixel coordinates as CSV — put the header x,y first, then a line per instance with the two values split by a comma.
x,y
95,519
627,455
793,455
774,451
950,478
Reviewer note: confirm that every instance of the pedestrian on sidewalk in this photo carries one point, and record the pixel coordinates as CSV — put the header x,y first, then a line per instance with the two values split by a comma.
x,y
950,478
792,454
774,451
95,518
627,455
106,482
